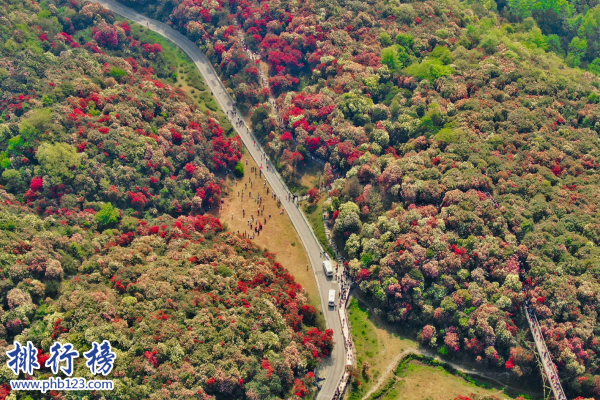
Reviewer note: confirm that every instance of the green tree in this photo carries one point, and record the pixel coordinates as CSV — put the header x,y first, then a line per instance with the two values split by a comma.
x,y
117,73
108,214
13,180
429,68
590,30
443,54
58,159
590,23
385,39
260,121
554,44
35,124
4,160
390,57
594,67
405,40
526,8
577,49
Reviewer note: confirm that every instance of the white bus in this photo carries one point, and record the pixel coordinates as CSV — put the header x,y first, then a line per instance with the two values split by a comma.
x,y
328,268
331,301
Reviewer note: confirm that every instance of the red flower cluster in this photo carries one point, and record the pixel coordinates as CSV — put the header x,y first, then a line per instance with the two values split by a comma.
x,y
37,184
152,48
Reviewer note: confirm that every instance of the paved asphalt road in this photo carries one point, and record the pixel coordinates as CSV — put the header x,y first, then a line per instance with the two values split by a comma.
x,y
332,367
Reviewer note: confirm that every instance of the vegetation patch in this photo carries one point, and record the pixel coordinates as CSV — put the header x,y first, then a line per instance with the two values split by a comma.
x,y
314,214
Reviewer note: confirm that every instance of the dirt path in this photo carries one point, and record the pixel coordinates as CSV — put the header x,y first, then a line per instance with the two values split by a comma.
x,y
384,376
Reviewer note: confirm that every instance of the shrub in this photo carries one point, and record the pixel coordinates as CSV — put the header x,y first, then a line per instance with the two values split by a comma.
x,y
117,72
429,68
239,169
224,271
405,40
107,215
385,39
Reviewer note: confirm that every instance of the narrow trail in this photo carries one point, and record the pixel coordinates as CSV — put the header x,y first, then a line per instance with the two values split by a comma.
x,y
393,364
264,82
424,352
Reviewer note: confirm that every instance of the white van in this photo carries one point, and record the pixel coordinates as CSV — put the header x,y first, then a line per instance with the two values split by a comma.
x,y
331,301
328,268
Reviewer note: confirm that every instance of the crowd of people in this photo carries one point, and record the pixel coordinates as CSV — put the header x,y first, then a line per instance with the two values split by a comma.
x,y
255,223
345,286
235,118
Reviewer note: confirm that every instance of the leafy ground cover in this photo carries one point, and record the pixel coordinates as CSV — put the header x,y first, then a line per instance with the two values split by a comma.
x,y
189,309
186,75
149,148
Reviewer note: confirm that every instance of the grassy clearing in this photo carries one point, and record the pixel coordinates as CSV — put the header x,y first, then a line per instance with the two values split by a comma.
x,y
418,381
367,347
314,214
278,235
310,174
376,344
304,177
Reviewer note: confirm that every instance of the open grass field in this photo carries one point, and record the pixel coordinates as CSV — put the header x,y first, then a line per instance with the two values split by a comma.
x,y
418,381
278,235
376,345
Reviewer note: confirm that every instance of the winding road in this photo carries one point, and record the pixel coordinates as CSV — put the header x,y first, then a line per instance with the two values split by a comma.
x,y
333,367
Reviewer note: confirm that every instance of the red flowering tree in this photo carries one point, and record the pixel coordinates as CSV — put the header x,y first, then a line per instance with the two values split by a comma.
x,y
105,35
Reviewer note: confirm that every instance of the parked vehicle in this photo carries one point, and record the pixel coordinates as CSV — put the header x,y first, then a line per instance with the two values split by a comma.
x,y
331,301
328,268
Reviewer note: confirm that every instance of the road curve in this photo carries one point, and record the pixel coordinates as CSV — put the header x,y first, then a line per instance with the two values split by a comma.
x,y
332,368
